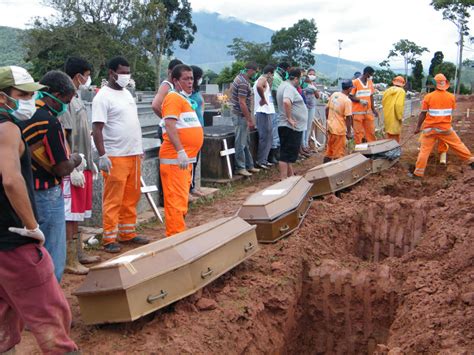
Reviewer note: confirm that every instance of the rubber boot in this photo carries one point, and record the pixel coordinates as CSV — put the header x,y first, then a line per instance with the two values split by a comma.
x,y
73,266
326,160
271,156
83,258
442,158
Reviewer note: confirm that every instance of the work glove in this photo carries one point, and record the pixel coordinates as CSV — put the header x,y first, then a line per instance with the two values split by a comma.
x,y
95,172
364,102
30,233
77,178
105,164
183,160
81,167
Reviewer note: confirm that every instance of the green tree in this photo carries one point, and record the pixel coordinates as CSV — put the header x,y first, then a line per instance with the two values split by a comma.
x,y
417,76
458,12
384,76
245,51
228,74
408,50
155,25
295,44
210,76
438,58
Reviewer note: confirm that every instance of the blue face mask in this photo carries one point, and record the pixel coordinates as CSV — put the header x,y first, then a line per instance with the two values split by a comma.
x,y
42,94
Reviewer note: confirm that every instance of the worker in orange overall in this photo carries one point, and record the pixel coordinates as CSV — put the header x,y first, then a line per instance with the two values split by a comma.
x,y
435,117
393,103
182,139
339,122
363,110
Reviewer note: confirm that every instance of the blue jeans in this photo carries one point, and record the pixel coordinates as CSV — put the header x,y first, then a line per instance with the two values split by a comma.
x,y
52,222
276,137
243,158
307,131
265,136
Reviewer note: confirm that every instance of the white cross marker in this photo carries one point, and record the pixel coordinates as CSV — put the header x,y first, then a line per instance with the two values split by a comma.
x,y
226,153
147,190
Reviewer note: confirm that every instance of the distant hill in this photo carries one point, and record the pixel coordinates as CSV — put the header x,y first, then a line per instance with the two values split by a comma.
x,y
209,50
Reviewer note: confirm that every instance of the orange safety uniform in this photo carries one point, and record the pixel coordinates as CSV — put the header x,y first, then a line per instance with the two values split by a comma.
x,y
340,107
439,106
362,116
176,182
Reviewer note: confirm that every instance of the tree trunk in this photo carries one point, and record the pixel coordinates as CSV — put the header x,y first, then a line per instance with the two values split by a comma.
x,y
157,62
461,46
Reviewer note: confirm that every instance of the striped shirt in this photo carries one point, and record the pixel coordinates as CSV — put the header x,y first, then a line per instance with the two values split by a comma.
x,y
45,138
240,88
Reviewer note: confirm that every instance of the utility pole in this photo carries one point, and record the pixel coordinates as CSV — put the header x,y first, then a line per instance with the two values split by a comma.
x,y
338,59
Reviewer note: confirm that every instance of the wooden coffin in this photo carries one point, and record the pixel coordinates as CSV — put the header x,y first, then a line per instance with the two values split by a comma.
x,y
148,278
213,165
338,174
279,209
383,153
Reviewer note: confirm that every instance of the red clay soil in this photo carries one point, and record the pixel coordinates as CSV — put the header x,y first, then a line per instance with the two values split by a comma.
x,y
386,267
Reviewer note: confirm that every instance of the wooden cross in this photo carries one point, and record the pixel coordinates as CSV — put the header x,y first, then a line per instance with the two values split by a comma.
x,y
147,190
226,153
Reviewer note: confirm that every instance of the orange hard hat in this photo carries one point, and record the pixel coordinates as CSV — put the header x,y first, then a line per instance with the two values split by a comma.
x,y
399,81
441,82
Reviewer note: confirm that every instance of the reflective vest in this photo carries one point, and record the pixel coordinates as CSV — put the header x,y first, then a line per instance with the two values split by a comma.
x,y
439,106
362,92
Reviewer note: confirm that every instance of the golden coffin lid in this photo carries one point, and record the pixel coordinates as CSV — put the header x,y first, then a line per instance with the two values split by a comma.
x,y
275,200
335,167
158,258
376,147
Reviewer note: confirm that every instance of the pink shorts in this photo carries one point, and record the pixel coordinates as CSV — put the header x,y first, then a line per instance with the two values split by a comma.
x,y
78,200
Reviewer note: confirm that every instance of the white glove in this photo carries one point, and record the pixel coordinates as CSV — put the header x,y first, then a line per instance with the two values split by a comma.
x,y
364,102
104,163
77,178
183,159
83,165
95,172
30,233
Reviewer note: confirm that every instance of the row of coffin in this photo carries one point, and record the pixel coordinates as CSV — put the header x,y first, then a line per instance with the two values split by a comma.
x,y
151,277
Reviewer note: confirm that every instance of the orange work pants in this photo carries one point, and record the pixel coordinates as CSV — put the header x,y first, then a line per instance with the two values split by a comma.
x,y
428,141
364,126
120,198
393,136
336,146
176,184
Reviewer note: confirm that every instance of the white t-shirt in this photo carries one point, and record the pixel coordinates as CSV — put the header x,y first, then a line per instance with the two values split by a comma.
x,y
269,108
122,131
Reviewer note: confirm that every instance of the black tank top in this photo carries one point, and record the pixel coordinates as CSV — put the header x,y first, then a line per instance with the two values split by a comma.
x,y
8,216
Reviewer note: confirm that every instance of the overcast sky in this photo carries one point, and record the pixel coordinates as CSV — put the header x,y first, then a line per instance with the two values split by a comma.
x,y
368,28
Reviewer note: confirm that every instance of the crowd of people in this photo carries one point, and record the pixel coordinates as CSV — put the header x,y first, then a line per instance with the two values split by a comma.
x,y
48,168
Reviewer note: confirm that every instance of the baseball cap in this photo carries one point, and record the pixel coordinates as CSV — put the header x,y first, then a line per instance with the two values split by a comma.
x,y
441,82
19,78
399,81
347,84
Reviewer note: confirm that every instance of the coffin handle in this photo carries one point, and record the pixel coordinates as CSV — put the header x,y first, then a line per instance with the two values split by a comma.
x,y
340,182
207,273
356,176
301,215
153,298
368,169
285,228
249,247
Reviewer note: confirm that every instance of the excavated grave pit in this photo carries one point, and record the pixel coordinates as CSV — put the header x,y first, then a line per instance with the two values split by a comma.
x,y
349,302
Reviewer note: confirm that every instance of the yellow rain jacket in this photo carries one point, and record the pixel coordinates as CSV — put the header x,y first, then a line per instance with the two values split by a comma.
x,y
393,102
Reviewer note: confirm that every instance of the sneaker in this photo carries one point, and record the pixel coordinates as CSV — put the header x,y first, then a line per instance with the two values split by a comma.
x,y
263,166
254,170
268,164
243,172
137,240
112,248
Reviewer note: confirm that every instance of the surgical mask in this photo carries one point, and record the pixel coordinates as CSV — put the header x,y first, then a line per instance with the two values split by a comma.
x,y
63,109
123,80
26,109
9,109
87,84
312,77
199,81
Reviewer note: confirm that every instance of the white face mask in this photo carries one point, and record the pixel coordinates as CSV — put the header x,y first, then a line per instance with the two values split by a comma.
x,y
26,109
199,81
182,92
312,77
123,80
87,84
